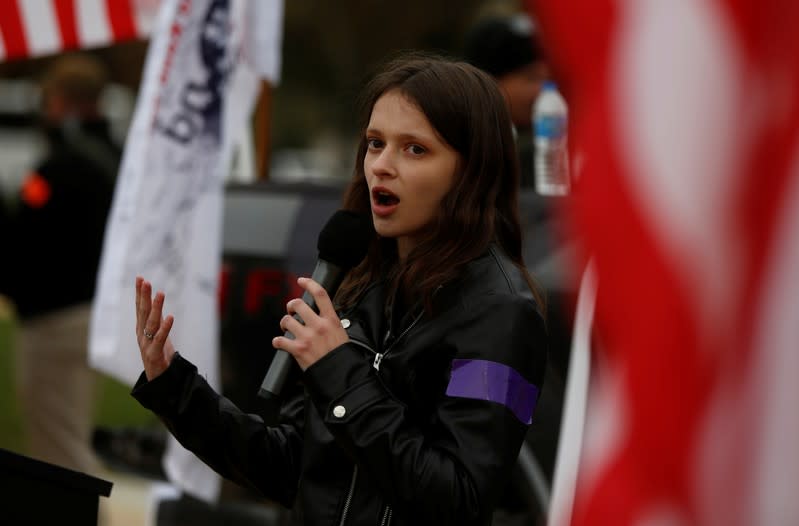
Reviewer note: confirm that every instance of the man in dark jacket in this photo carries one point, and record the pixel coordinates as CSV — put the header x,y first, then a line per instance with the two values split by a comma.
x,y
56,236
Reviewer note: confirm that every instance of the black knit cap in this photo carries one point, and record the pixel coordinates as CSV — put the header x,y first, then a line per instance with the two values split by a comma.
x,y
499,45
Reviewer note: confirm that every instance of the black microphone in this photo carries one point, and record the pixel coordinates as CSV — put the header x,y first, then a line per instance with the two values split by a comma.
x,y
342,244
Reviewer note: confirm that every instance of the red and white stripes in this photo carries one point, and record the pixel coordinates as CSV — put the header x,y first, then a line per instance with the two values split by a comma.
x,y
30,28
687,115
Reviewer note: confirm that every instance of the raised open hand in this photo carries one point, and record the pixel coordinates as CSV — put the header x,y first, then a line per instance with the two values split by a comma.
x,y
152,330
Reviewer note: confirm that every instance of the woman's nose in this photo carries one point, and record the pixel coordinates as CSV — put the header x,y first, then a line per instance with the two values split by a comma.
x,y
383,164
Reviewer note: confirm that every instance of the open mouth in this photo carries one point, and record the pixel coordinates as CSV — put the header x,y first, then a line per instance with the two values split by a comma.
x,y
383,197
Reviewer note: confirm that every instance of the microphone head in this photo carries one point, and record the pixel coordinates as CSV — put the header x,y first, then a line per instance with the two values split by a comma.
x,y
345,238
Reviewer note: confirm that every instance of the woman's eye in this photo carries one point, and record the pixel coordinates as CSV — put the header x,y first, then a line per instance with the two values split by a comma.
x,y
415,149
374,143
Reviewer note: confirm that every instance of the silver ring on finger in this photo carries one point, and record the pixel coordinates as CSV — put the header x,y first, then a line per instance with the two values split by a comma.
x,y
148,335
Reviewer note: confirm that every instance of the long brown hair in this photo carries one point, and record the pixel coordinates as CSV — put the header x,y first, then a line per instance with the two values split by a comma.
x,y
466,108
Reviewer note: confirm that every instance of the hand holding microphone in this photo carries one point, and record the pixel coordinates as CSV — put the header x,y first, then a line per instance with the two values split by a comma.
x,y
342,244
313,335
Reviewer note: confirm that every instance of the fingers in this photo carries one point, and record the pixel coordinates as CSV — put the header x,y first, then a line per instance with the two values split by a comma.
x,y
292,325
320,296
139,281
321,333
153,323
163,331
143,306
307,317
290,346
302,309
149,318
152,330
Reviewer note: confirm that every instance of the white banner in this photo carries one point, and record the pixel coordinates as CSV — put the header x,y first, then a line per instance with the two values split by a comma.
x,y
195,100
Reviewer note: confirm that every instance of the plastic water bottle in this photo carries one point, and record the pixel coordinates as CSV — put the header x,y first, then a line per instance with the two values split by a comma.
x,y
551,156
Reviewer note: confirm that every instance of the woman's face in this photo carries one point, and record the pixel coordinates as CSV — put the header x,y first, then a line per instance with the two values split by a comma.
x,y
408,167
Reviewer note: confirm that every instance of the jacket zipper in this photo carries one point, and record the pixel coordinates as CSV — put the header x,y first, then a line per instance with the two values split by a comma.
x,y
348,500
362,344
386,517
386,521
379,357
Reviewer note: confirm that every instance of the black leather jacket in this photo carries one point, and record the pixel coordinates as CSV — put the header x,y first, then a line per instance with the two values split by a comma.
x,y
416,424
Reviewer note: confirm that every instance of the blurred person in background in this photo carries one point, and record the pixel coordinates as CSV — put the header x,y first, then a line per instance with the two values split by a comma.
x,y
507,47
55,236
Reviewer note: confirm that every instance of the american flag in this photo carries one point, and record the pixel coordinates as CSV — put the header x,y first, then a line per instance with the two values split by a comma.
x,y
685,115
30,28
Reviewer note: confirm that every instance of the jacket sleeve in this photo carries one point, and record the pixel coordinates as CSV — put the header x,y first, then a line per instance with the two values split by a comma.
x,y
236,445
454,471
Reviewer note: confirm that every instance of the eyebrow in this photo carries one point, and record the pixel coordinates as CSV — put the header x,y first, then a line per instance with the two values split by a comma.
x,y
405,137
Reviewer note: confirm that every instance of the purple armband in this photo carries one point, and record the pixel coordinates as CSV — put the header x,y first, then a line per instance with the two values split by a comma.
x,y
495,382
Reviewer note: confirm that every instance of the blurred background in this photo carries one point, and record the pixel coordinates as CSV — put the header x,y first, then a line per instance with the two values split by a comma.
x,y
329,49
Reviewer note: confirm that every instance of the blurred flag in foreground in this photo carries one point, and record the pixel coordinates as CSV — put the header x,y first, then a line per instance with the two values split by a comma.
x,y
196,97
30,28
686,115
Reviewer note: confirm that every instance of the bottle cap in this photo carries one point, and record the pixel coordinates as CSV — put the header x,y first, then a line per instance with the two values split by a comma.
x,y
549,84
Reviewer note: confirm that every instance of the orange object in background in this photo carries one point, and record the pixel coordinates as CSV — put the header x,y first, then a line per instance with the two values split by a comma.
x,y
36,191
